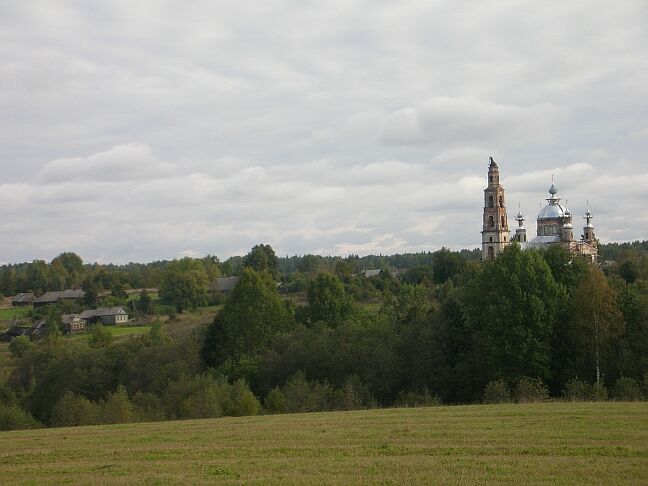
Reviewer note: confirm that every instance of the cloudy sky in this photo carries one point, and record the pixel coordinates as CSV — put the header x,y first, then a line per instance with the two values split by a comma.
x,y
144,130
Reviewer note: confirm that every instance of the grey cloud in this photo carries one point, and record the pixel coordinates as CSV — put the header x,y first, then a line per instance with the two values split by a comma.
x,y
141,131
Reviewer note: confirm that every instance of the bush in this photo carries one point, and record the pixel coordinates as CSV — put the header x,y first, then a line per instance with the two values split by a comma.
x,y
531,390
147,408
12,417
203,403
100,337
117,408
198,397
627,390
577,391
497,392
297,392
19,346
72,410
242,401
275,401
415,398
353,395
599,392
300,395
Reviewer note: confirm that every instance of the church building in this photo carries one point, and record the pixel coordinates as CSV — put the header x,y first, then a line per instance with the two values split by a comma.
x,y
554,224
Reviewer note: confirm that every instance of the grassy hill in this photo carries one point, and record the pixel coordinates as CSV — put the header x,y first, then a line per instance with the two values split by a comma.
x,y
588,443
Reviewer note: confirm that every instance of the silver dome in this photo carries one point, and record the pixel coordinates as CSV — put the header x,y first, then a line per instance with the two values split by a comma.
x,y
552,211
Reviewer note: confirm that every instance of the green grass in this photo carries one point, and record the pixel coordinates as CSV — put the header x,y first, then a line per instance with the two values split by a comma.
x,y
13,313
153,295
565,443
118,331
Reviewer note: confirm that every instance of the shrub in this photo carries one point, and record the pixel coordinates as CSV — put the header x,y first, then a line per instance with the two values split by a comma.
x,y
275,401
19,346
531,390
599,392
627,390
297,391
12,417
203,403
117,408
353,395
72,410
242,401
577,390
100,337
147,408
416,398
497,392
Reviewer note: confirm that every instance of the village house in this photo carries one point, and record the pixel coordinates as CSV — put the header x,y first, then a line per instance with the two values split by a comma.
x,y
56,296
105,315
73,324
23,299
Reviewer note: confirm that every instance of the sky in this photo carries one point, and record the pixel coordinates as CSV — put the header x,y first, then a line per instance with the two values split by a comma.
x,y
147,130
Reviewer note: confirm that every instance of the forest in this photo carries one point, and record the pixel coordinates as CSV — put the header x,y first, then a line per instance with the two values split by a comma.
x,y
313,333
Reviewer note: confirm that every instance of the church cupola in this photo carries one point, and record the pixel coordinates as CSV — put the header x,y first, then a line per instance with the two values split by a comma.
x,y
567,232
520,231
588,229
495,231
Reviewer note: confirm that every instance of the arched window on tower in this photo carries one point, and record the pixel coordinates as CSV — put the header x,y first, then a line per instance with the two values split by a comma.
x,y
490,201
491,253
503,225
501,201
491,221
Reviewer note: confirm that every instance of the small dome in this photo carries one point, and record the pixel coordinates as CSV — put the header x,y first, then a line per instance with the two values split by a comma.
x,y
588,212
552,190
568,226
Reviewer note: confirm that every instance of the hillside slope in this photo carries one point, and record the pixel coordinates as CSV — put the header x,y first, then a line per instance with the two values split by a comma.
x,y
561,442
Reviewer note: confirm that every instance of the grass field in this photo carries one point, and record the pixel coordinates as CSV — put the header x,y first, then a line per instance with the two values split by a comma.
x,y
13,313
584,443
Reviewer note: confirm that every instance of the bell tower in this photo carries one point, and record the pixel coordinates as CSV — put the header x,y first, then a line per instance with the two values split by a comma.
x,y
495,232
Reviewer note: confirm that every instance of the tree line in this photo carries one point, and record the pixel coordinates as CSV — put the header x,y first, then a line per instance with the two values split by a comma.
x,y
528,326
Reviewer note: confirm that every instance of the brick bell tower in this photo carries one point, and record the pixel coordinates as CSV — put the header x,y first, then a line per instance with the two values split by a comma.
x,y
495,233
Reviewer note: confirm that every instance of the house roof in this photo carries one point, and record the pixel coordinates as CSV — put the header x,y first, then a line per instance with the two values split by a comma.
x,y
57,295
102,312
68,318
23,297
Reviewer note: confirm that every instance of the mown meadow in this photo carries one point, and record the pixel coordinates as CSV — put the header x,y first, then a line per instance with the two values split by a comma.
x,y
567,443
